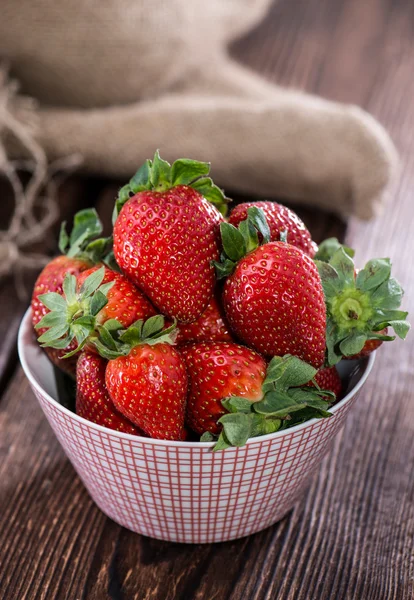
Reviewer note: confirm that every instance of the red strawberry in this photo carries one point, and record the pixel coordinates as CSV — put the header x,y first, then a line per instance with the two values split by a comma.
x,y
274,302
149,384
216,371
92,399
51,280
211,326
76,257
167,234
328,379
273,296
96,296
279,218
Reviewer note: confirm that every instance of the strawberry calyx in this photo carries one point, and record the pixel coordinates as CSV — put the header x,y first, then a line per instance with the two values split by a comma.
x,y
158,175
112,341
72,314
286,399
84,241
239,241
328,247
359,306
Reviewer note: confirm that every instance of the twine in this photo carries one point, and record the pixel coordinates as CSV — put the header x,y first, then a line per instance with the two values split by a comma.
x,y
35,205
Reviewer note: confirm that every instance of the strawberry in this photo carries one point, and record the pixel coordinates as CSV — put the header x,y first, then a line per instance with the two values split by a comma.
x,y
146,379
96,297
218,370
273,297
167,234
360,305
234,395
328,379
280,219
77,256
211,326
92,399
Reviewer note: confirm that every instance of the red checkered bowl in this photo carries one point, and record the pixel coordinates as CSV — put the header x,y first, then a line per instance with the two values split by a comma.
x,y
182,491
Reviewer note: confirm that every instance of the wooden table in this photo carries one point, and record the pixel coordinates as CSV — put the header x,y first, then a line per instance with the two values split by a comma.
x,y
352,535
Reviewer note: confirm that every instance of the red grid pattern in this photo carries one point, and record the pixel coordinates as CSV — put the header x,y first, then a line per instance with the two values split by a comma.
x,y
189,494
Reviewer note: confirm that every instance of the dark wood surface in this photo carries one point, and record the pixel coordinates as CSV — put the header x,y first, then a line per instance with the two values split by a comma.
x,y
352,534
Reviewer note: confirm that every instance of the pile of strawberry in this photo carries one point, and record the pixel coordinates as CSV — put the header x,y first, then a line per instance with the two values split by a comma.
x,y
185,323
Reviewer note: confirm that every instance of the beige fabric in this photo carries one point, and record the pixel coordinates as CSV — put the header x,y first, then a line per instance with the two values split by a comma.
x,y
117,79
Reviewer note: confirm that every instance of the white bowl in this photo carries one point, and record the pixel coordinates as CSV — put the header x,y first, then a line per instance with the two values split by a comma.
x,y
181,491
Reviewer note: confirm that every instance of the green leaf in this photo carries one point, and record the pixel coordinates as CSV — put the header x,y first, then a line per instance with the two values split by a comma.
x,y
278,404
344,266
384,316
275,370
233,242
222,443
237,428
98,250
63,238
81,336
223,269
207,437
258,218
104,351
297,373
60,344
87,321
152,326
170,332
304,415
133,335
374,273
311,397
353,343
92,282
51,319
86,225
113,325
262,425
388,295
184,171
249,234
380,336
212,193
142,179
69,288
105,287
54,333
330,279
53,301
99,300
328,248
333,357
106,338
237,404
401,328
160,173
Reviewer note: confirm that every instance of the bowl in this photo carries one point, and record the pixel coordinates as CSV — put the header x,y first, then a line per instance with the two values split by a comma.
x,y
182,491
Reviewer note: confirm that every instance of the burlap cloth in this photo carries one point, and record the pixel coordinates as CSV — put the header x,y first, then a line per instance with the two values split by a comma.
x,y
113,80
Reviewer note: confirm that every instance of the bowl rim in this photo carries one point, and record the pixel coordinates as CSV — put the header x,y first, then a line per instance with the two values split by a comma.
x,y
26,324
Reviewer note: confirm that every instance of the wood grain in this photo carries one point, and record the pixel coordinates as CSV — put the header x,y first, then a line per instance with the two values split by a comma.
x,y
351,536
